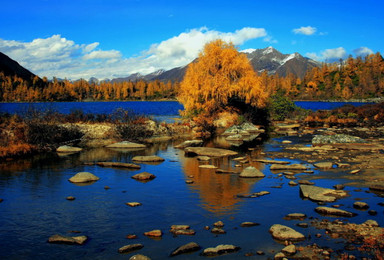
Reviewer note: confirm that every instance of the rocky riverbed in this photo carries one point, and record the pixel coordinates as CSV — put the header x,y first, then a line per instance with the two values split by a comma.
x,y
303,194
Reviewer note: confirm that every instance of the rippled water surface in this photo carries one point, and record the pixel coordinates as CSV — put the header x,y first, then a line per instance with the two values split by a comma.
x,y
35,205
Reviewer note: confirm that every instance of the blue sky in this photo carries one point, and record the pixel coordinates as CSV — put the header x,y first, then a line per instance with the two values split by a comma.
x,y
114,38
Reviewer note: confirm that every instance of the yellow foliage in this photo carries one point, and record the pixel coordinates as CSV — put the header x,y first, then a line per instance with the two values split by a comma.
x,y
220,73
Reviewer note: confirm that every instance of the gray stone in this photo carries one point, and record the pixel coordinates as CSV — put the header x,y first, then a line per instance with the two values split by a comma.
x,y
187,248
299,167
144,176
59,239
189,143
68,149
220,249
118,165
82,177
281,232
323,165
251,172
126,145
150,158
334,212
208,151
336,139
289,250
130,248
139,257
321,194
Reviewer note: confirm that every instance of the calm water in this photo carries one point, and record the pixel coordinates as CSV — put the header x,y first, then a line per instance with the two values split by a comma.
x,y
34,206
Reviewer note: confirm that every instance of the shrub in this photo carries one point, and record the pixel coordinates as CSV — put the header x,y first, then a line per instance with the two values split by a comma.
x,y
281,106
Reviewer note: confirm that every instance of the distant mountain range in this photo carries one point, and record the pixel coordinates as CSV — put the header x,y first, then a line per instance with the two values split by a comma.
x,y
267,59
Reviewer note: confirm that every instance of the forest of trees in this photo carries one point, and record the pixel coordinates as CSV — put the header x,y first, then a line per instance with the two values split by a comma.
x,y
355,78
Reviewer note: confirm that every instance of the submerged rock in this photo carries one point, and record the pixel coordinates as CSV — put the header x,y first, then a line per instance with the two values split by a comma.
x,y
281,232
187,248
150,158
82,177
59,239
220,250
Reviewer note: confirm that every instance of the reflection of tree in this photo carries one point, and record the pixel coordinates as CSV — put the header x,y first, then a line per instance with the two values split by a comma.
x,y
217,191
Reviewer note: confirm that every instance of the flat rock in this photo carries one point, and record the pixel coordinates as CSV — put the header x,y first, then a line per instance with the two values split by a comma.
x,y
187,248
154,233
377,187
208,151
271,161
68,149
334,212
306,182
316,193
203,158
360,205
182,230
224,171
292,216
144,176
150,158
217,230
118,165
130,248
323,165
281,232
139,257
82,177
126,145
59,239
189,143
133,204
251,172
207,166
289,250
220,250
336,139
249,224
299,167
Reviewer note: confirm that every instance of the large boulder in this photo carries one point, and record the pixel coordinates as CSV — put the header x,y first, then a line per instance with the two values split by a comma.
x,y
316,193
208,151
83,177
336,139
281,232
251,172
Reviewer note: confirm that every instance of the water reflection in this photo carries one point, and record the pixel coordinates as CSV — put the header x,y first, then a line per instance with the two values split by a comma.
x,y
218,192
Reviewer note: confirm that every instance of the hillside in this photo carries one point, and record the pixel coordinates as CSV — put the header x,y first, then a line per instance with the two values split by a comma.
x,y
12,68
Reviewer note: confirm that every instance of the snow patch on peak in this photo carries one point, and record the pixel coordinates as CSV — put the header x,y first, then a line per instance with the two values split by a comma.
x,y
268,50
248,50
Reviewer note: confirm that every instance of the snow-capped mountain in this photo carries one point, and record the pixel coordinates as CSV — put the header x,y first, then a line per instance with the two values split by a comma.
x,y
268,59
273,61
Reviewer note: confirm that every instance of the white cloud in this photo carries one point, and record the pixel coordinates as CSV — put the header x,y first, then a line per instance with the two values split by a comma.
x,y
307,30
329,55
362,51
57,56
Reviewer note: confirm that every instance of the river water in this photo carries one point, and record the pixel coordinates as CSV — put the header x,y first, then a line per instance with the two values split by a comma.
x,y
34,206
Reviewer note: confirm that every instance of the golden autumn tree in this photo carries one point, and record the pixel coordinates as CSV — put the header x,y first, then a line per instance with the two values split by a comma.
x,y
219,75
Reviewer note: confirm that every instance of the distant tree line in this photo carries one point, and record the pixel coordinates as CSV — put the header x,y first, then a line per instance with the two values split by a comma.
x,y
355,78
